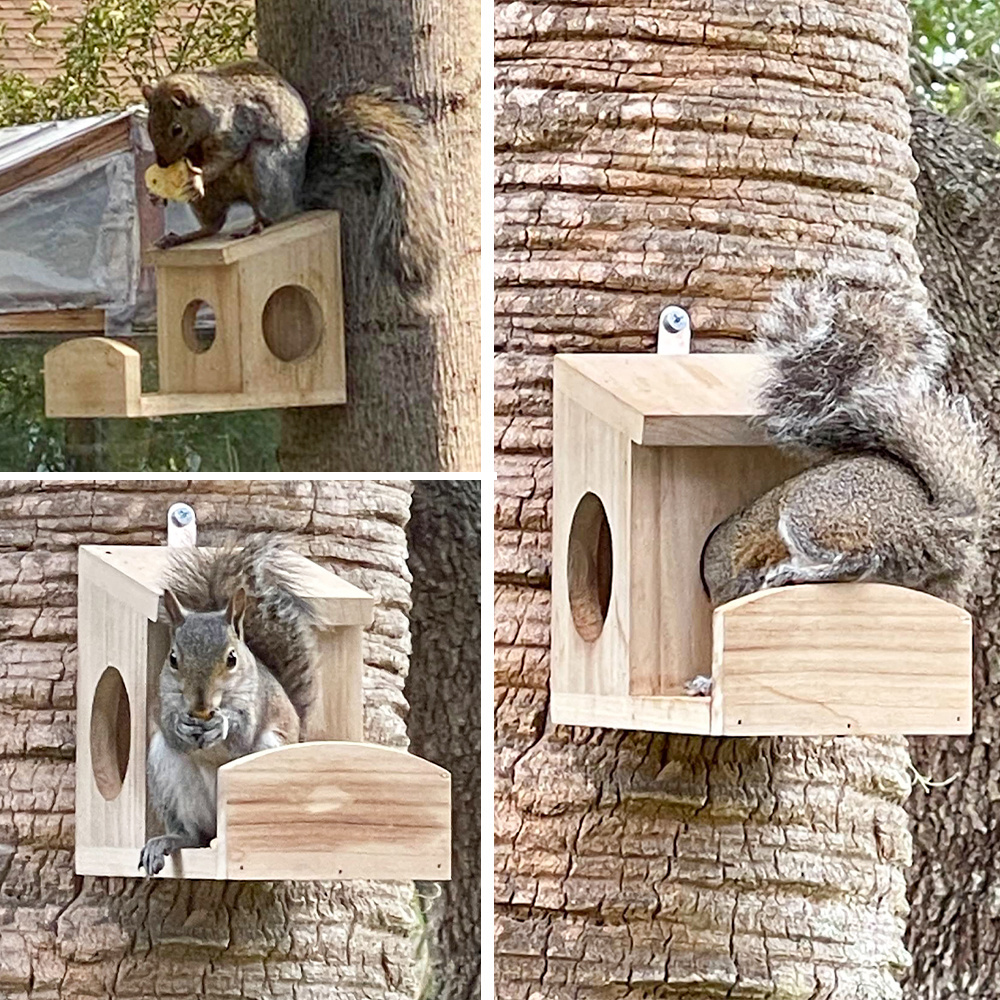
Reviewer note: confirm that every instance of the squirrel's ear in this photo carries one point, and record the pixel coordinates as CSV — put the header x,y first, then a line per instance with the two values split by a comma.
x,y
176,611
147,92
181,96
236,609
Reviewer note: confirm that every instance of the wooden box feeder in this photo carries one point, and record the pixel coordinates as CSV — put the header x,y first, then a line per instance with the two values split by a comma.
x,y
278,337
650,452
333,808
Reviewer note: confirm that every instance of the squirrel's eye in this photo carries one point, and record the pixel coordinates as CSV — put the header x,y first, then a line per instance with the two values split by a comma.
x,y
173,659
231,659
176,128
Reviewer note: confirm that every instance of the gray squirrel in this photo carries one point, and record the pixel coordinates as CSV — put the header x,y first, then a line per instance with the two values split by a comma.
x,y
238,678
253,139
902,478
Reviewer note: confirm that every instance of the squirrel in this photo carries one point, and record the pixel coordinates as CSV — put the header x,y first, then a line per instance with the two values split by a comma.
x,y
238,678
251,137
902,477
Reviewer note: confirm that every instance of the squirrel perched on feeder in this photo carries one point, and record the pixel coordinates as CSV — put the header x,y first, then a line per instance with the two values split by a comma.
x,y
902,476
244,134
238,678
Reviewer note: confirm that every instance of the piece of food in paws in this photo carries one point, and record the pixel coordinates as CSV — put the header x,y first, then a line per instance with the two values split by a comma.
x,y
179,182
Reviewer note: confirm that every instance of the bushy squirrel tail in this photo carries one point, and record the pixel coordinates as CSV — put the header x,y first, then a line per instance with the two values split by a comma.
x,y
855,369
278,624
376,141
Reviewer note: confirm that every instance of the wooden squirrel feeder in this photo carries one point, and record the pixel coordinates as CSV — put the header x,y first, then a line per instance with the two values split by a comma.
x,y
650,452
333,808
278,340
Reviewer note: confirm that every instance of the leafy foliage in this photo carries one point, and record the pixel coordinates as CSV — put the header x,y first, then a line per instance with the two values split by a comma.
x,y
955,59
102,59
208,442
116,40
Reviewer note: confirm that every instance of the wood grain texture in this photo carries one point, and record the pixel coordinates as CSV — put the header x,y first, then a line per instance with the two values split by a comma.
x,y
698,154
415,373
697,399
52,321
841,659
242,281
335,810
120,588
66,937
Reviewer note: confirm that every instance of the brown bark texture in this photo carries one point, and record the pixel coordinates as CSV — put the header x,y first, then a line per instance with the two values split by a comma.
x,y
413,380
443,690
63,937
954,889
697,153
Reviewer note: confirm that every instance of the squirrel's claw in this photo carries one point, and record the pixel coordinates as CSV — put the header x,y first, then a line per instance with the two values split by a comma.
x,y
153,856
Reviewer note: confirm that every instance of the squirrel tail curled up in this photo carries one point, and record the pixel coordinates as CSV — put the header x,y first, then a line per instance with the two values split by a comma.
x,y
901,479
278,624
855,369
375,140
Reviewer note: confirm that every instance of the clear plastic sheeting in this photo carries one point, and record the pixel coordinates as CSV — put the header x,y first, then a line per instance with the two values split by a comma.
x,y
71,241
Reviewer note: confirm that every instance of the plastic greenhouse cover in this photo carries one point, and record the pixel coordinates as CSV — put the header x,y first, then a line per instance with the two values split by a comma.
x,y
71,240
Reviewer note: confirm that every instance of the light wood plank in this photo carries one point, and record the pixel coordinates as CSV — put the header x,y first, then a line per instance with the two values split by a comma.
x,y
835,659
223,249
678,496
673,714
697,399
53,321
138,571
335,810
93,377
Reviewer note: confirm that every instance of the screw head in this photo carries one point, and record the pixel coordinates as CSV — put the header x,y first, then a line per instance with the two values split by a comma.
x,y
674,319
181,514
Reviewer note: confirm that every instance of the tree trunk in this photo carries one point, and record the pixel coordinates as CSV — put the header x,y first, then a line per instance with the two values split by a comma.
x,y
63,937
412,380
698,154
955,893
443,692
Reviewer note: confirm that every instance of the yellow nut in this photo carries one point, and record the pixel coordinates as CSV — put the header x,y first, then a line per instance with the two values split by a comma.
x,y
178,182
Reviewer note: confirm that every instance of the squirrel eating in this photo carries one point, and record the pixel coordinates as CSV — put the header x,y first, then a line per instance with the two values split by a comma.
x,y
238,678
249,136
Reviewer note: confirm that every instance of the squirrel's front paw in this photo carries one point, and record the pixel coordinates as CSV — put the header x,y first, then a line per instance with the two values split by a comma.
x,y
154,855
203,733
215,731
169,240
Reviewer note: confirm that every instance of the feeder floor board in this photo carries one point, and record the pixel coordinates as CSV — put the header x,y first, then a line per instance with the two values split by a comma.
x,y
827,659
320,810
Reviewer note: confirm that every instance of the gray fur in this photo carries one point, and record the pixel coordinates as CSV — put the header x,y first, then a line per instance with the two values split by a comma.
x,y
279,625
257,142
905,476
238,635
375,141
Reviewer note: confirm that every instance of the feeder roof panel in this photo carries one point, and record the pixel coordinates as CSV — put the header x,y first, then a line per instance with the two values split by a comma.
x,y
223,249
658,399
135,572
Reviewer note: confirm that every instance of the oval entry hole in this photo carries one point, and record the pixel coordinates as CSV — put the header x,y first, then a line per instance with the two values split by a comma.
x,y
293,323
110,733
198,326
589,567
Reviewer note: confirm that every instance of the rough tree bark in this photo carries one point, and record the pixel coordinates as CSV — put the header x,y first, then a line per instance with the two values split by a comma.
x,y
413,381
699,153
63,937
443,691
955,892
